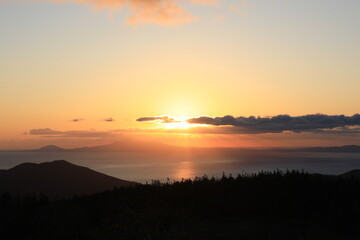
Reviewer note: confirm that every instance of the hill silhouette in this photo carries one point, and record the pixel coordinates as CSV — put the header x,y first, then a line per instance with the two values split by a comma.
x,y
353,174
267,205
56,179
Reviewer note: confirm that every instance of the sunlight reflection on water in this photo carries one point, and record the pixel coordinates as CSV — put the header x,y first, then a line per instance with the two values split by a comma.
x,y
185,170
145,167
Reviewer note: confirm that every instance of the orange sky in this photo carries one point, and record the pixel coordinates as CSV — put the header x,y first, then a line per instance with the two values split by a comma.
x,y
127,59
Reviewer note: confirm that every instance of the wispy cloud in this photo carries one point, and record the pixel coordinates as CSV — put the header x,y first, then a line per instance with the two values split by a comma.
x,y
77,120
110,119
163,12
162,119
205,2
44,131
280,123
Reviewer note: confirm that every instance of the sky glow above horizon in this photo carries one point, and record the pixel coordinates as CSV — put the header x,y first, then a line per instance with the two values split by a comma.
x,y
87,70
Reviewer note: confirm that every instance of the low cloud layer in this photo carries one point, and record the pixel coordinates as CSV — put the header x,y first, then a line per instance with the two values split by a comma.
x,y
316,124
44,131
280,123
163,12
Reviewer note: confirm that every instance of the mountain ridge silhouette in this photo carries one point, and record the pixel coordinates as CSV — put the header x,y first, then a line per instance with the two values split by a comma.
x,y
56,179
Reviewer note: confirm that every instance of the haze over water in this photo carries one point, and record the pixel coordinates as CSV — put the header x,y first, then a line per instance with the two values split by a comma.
x,y
146,167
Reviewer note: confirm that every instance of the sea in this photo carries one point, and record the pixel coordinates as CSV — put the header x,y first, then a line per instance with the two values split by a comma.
x,y
145,167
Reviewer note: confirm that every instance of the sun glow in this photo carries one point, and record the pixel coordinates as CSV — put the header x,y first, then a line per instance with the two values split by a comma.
x,y
180,123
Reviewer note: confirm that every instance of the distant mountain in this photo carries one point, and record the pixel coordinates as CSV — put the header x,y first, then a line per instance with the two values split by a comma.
x,y
126,146
344,149
56,179
156,147
51,148
120,146
48,148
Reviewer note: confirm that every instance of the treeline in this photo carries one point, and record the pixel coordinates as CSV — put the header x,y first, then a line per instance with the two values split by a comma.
x,y
267,205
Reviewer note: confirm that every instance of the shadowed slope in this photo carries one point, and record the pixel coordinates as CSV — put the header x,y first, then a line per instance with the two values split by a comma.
x,y
56,179
353,174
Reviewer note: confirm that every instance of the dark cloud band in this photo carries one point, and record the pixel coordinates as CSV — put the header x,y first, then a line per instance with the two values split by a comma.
x,y
280,123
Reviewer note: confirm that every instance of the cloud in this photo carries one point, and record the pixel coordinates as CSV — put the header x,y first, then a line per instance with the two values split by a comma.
x,y
316,124
339,131
109,119
44,131
162,119
77,120
72,133
159,12
236,7
230,130
280,123
162,12
205,2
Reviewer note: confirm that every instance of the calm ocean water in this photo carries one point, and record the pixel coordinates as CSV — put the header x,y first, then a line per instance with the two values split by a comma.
x,y
146,167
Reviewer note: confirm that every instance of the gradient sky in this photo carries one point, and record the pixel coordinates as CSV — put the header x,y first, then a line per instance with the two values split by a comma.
x,y
127,59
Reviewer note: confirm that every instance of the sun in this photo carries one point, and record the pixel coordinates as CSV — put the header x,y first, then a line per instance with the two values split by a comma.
x,y
180,123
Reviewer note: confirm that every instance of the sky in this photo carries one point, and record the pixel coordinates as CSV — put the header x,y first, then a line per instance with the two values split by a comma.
x,y
228,73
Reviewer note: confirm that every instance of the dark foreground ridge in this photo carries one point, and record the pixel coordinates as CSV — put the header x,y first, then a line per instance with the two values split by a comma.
x,y
268,205
56,179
